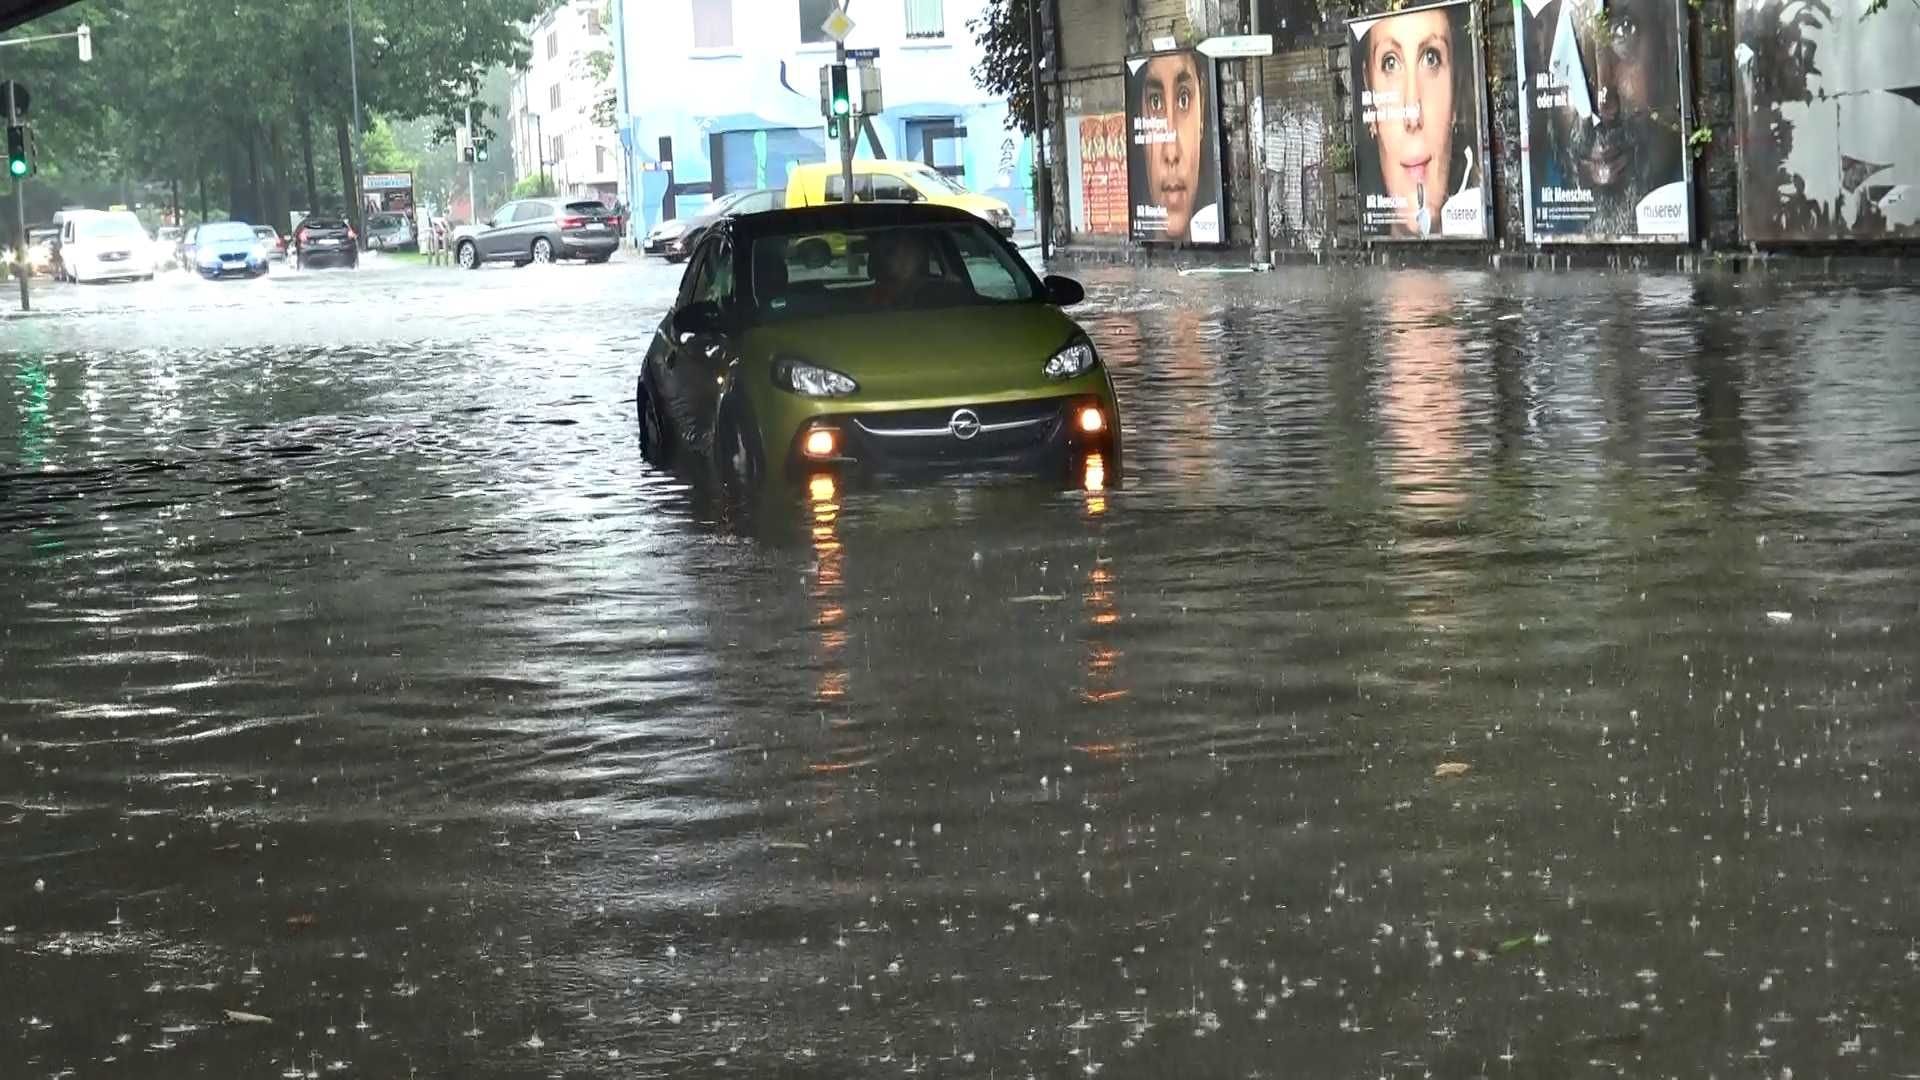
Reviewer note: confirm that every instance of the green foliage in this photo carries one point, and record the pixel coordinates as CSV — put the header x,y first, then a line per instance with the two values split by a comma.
x,y
534,185
1004,31
1699,141
381,153
183,89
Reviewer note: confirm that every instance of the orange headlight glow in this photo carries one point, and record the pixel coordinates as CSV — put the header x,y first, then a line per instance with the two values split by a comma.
x,y
1092,421
821,443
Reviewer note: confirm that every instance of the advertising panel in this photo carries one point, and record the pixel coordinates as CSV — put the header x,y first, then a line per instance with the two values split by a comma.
x,y
1827,108
1419,124
1173,149
1603,128
1097,146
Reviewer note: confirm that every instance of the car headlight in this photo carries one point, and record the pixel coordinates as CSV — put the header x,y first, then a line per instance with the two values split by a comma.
x,y
808,380
260,251
1074,360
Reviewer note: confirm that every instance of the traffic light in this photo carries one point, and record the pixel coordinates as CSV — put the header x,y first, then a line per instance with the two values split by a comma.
x,y
839,101
19,162
833,127
466,154
480,151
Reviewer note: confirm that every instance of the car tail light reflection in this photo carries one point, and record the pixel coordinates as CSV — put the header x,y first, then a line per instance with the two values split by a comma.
x,y
821,443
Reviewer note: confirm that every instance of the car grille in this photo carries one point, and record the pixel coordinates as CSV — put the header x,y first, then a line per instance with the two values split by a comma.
x,y
965,432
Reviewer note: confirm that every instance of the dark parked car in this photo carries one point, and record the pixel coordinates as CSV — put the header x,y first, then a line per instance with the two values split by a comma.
x,y
325,239
675,238
540,231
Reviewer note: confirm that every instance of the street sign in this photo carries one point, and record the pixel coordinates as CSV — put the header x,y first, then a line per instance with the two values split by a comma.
x,y
837,26
1227,48
863,54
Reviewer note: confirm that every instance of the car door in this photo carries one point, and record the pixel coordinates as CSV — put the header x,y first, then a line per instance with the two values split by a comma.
x,y
681,362
492,238
704,357
535,218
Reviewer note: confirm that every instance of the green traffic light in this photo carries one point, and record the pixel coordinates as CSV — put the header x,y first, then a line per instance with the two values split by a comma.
x,y
17,166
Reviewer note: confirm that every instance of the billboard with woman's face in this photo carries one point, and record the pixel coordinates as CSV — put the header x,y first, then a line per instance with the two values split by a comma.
x,y
1173,149
1604,139
1419,124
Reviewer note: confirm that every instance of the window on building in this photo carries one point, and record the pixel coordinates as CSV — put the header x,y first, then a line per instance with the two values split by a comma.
x,y
939,142
593,21
558,149
926,18
812,14
713,24
553,44
599,159
553,95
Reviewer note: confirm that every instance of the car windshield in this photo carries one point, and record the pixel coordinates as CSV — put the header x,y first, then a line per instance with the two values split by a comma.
x,y
940,181
388,221
264,232
587,208
862,271
323,223
111,227
221,231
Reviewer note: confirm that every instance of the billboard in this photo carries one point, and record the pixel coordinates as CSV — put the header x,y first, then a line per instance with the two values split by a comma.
x,y
1173,149
1419,124
1097,170
1827,110
1603,126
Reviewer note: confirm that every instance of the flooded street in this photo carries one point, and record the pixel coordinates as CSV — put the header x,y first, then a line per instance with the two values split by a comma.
x,y
357,677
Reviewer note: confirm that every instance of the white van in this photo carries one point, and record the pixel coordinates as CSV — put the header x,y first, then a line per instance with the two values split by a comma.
x,y
103,245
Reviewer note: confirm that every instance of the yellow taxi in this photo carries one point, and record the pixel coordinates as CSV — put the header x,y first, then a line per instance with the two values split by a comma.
x,y
894,181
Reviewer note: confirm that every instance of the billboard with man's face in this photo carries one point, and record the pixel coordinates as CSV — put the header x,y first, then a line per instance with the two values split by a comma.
x,y
1828,113
1173,149
1603,130
1419,124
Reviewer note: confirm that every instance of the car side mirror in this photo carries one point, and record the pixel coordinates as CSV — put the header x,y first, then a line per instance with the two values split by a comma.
x,y
699,317
1064,291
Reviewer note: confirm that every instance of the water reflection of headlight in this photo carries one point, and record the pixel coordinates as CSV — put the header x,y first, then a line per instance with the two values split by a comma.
x,y
1094,478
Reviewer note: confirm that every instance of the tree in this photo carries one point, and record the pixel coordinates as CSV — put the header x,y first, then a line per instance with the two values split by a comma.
x,y
382,153
1005,33
534,185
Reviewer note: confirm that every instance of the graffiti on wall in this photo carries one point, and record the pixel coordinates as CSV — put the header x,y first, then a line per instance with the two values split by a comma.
x,y
1295,140
1828,113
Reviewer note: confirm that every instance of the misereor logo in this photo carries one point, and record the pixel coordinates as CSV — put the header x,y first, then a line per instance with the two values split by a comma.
x,y
1663,212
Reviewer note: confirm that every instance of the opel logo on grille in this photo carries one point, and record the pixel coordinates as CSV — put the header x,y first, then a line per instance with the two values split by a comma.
x,y
965,424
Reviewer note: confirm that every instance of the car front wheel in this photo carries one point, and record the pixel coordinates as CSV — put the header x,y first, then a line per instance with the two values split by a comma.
x,y
467,256
656,441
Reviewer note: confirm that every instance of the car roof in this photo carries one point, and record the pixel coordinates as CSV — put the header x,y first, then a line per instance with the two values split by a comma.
x,y
865,165
831,216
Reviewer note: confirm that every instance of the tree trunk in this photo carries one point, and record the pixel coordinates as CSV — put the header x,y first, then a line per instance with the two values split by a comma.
x,y
349,193
306,156
200,178
256,204
236,180
278,197
174,184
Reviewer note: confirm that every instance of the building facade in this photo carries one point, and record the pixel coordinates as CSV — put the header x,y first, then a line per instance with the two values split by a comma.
x,y
717,96
551,104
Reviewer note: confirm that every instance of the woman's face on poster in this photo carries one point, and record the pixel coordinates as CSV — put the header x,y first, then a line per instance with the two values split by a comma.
x,y
1170,92
1410,73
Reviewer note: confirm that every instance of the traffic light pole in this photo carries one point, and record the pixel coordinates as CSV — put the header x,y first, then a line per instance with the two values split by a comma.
x,y
20,264
846,133
473,209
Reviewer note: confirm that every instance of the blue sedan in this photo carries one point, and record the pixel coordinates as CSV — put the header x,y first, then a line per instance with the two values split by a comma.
x,y
224,249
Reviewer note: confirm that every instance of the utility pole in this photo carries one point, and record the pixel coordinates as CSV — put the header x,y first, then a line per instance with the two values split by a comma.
x,y
846,128
1042,183
20,263
473,208
353,77
1257,132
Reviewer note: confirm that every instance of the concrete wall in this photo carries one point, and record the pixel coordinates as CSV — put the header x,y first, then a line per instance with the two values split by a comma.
x,y
1305,129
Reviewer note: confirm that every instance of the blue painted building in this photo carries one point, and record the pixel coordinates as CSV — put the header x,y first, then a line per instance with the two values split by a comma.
x,y
717,96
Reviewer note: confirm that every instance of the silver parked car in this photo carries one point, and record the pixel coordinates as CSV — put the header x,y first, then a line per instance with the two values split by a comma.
x,y
540,231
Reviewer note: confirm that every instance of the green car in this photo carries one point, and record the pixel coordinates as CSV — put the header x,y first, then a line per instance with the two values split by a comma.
x,y
870,339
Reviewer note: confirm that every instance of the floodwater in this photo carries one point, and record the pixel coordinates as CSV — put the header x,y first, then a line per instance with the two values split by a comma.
x,y
358,677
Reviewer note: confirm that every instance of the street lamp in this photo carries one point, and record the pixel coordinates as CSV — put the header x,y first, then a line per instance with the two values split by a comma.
x,y
353,78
